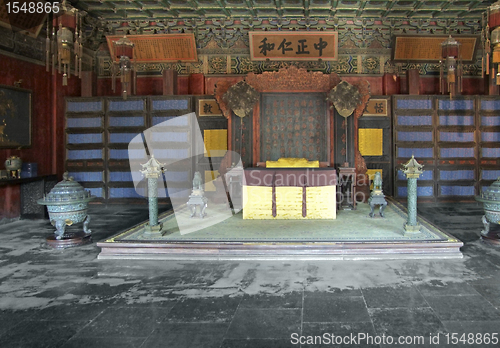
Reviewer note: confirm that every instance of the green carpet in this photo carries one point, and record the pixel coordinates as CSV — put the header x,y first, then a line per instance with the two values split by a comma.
x,y
350,226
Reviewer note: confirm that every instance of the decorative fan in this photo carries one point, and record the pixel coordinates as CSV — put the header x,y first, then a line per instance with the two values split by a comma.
x,y
241,98
345,97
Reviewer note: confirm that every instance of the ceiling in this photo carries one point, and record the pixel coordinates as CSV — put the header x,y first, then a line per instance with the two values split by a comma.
x,y
284,9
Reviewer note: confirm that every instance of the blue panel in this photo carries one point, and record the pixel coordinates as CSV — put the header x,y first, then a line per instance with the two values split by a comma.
x,y
490,174
490,136
85,138
97,191
417,152
415,120
171,153
84,154
125,153
120,176
84,106
456,104
180,104
86,176
414,136
422,191
123,192
490,152
136,121
121,137
130,192
179,121
170,136
456,120
490,104
414,104
426,175
457,190
490,120
126,105
456,136
467,152
177,176
84,122
456,174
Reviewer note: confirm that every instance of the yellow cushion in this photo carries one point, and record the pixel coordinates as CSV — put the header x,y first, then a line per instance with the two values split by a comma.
x,y
292,163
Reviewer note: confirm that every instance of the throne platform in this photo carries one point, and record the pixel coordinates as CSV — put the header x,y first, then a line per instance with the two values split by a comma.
x,y
353,235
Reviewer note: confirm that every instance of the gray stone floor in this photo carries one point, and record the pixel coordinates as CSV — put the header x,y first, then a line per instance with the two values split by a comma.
x,y
68,298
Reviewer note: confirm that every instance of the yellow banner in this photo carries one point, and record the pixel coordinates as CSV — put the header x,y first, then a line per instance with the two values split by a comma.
x,y
215,142
371,141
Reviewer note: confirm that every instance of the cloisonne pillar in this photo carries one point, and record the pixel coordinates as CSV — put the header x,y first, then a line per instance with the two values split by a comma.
x,y
152,170
412,169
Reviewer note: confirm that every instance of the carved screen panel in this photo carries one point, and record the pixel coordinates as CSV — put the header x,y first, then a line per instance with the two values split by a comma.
x,y
293,125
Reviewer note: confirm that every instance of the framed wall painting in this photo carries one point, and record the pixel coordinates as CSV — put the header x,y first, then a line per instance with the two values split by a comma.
x,y
15,117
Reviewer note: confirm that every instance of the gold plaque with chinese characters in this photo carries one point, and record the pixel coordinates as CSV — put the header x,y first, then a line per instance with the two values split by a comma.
x,y
273,45
208,107
376,107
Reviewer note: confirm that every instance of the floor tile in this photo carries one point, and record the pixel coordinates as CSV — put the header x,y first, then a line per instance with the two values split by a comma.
x,y
258,343
439,288
40,334
474,327
398,322
125,322
104,342
467,308
331,308
393,297
70,312
287,300
11,318
412,341
344,335
334,291
216,310
490,291
264,323
187,335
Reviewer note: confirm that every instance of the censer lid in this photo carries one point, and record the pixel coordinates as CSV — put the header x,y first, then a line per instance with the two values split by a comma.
x,y
66,191
491,194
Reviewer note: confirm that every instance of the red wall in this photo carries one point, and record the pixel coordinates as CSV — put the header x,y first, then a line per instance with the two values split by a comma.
x,y
428,85
48,124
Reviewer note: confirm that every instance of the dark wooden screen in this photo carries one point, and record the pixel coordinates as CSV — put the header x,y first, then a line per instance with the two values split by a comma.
x,y
293,125
457,141
98,131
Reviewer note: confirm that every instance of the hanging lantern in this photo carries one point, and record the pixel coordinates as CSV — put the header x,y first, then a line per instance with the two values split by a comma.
x,y
124,52
451,66
65,40
493,39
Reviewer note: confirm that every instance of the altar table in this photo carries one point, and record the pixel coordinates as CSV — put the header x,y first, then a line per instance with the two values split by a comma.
x,y
283,193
